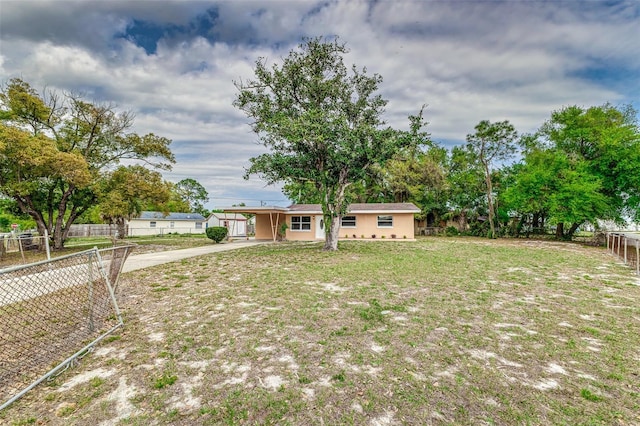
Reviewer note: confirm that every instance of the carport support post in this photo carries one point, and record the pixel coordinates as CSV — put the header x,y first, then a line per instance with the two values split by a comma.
x,y
625,249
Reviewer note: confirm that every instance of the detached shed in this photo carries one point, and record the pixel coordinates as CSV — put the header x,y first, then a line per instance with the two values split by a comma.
x,y
235,223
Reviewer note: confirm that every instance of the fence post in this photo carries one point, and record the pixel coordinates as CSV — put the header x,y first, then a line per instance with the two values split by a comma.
x,y
619,245
90,275
46,243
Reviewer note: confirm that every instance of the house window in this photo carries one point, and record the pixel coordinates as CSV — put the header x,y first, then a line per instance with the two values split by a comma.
x,y
198,225
385,221
152,224
348,222
172,224
301,223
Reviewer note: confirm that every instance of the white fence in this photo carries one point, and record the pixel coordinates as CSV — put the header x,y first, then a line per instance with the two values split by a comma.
x,y
627,246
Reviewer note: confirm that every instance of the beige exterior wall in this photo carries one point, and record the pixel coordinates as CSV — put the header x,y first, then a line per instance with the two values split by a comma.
x,y
263,225
303,235
366,227
138,227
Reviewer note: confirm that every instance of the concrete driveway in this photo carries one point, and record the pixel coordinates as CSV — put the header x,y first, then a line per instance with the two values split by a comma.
x,y
141,261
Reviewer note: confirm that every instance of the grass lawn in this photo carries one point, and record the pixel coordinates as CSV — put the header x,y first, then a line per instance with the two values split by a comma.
x,y
438,331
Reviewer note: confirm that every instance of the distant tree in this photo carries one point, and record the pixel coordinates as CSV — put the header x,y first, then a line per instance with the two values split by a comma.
x,y
125,191
55,150
492,142
321,124
192,192
465,187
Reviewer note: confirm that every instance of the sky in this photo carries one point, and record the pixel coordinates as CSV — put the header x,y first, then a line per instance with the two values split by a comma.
x,y
174,63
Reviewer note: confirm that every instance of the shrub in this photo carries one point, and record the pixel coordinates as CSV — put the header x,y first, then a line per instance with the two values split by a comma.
x,y
354,235
451,231
393,235
373,236
216,233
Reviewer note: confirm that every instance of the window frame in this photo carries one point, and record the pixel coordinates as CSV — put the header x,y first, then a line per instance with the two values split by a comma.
x,y
198,225
298,226
355,222
153,224
382,220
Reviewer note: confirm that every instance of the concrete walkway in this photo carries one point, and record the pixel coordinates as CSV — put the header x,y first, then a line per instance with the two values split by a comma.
x,y
141,261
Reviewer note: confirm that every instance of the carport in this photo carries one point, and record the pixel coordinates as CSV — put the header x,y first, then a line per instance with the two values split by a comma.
x,y
268,219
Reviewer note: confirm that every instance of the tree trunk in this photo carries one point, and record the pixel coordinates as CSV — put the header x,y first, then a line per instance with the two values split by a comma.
x,y
331,232
560,231
121,228
492,214
572,230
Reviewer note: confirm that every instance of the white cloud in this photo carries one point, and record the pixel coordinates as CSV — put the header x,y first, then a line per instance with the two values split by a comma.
x,y
468,61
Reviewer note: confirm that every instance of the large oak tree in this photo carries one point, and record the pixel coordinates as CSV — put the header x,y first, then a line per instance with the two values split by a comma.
x,y
321,123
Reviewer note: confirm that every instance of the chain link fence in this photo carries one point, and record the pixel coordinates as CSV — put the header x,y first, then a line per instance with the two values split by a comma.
x,y
52,312
626,246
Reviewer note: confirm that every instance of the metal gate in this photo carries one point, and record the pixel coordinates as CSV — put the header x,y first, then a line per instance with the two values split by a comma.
x,y
53,311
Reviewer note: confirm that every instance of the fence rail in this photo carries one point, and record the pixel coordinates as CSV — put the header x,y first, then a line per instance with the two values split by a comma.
x,y
626,245
53,311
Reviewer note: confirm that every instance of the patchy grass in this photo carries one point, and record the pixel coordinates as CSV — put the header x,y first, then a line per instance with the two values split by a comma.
x,y
438,331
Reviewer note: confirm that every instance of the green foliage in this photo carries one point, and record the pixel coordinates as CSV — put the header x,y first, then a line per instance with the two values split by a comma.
x,y
580,167
490,143
194,194
216,233
451,231
165,380
320,123
56,152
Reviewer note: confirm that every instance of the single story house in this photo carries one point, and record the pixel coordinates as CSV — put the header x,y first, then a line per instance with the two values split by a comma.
x,y
304,222
235,223
158,223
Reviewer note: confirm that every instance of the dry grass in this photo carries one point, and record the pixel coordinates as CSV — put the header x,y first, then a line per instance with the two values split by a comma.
x,y
440,331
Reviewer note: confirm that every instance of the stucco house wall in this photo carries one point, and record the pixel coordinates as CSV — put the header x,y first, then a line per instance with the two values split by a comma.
x,y
305,221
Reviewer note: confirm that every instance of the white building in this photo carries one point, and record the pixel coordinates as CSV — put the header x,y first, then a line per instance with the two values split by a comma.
x,y
158,223
235,223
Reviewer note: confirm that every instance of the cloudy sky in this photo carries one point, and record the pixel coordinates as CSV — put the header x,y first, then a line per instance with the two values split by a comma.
x,y
173,63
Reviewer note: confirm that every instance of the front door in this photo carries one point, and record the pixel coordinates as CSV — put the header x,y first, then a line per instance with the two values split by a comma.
x,y
319,227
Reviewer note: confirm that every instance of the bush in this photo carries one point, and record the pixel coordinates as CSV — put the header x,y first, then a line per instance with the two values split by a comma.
x,y
217,233
451,231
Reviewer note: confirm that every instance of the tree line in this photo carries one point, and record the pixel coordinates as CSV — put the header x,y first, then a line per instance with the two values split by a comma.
x,y
327,142
64,160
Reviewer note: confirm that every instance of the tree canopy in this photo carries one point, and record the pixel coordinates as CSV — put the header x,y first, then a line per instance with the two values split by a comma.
x,y
194,194
582,166
321,123
55,150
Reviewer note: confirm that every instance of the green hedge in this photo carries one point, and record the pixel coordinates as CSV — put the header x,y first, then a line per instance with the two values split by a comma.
x,y
217,233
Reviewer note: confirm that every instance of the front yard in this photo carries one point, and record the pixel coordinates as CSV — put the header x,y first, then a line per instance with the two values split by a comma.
x,y
438,331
